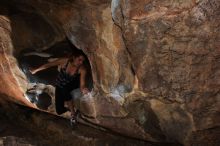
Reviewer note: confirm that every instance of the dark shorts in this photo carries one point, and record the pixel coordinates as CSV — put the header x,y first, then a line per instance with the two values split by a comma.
x,y
61,95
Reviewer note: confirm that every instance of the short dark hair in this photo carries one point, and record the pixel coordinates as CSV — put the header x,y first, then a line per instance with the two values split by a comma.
x,y
76,53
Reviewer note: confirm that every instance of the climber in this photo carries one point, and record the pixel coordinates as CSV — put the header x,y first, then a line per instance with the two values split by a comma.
x,y
72,75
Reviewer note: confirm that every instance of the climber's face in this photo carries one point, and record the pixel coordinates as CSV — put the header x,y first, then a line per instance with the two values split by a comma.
x,y
78,61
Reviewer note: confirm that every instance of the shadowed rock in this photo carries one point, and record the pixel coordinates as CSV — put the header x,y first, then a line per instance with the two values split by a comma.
x,y
154,64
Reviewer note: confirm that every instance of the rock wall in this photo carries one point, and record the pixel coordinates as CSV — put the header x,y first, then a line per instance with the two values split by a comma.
x,y
155,64
9,80
174,48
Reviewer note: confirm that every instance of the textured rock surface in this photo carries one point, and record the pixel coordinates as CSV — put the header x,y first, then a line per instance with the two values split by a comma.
x,y
155,64
10,75
174,48
30,130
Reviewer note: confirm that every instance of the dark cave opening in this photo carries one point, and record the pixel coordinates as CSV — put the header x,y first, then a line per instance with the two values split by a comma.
x,y
35,42
30,58
41,83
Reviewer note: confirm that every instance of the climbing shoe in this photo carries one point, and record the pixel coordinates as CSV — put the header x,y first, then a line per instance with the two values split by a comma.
x,y
73,120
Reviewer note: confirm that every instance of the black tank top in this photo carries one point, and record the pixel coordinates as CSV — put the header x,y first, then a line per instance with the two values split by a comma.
x,y
67,81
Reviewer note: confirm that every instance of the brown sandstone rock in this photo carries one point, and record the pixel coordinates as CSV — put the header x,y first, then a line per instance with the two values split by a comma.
x,y
170,47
